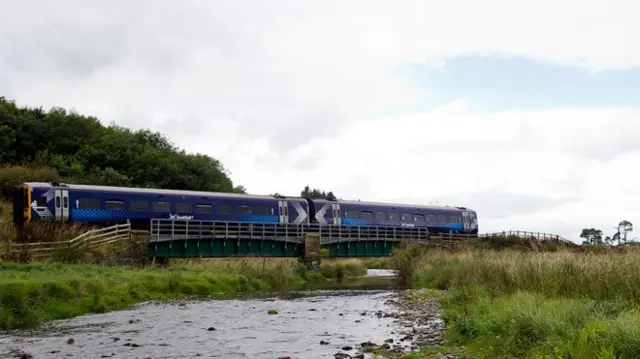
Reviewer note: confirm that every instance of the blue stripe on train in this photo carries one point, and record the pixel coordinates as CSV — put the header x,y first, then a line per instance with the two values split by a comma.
x,y
457,227
111,215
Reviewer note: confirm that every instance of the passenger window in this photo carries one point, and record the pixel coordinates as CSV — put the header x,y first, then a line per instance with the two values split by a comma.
x,y
184,207
442,219
57,201
381,216
352,214
160,206
263,210
114,204
393,216
419,218
138,205
65,202
366,215
204,208
224,209
431,219
245,210
455,219
407,217
92,203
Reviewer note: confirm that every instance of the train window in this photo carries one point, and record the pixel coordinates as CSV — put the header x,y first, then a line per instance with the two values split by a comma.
x,y
381,216
161,206
65,202
407,217
431,219
138,205
245,210
42,202
442,219
352,214
93,203
263,210
393,216
184,207
114,204
204,208
418,218
455,219
224,209
57,201
366,215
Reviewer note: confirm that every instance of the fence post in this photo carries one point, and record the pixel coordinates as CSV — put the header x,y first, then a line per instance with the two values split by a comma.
x,y
130,237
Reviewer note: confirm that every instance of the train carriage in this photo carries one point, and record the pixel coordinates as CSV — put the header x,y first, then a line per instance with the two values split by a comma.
x,y
105,205
437,219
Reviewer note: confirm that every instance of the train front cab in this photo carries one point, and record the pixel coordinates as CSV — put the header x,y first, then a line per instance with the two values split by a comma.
x,y
22,205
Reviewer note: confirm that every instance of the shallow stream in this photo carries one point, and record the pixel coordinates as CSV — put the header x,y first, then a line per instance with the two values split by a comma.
x,y
309,324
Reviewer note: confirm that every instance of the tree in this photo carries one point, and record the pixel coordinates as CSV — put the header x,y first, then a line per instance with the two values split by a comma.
x,y
81,150
592,236
624,227
316,193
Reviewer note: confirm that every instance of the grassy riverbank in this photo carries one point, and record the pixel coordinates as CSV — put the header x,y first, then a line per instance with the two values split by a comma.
x,y
33,293
533,305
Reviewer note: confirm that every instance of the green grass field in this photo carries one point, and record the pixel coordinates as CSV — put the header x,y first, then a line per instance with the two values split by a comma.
x,y
533,305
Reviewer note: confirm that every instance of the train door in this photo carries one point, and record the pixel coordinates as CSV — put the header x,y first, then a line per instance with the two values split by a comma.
x,y
62,204
335,209
283,209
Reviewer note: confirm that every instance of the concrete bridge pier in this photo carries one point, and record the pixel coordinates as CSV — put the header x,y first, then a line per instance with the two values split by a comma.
x,y
311,254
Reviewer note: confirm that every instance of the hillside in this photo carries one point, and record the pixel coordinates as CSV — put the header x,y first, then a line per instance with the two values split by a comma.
x,y
60,144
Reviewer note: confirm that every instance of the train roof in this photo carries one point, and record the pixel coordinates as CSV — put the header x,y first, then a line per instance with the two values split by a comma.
x,y
396,205
157,191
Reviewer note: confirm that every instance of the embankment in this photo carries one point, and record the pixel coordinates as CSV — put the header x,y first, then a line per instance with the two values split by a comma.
x,y
533,305
33,293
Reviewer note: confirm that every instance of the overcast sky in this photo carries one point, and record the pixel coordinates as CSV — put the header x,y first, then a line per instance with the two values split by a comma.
x,y
526,111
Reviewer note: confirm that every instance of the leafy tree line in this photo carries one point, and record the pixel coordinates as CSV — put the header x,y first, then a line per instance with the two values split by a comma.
x,y
594,236
79,149
315,193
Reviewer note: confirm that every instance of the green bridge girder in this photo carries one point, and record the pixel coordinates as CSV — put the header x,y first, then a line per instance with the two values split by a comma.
x,y
221,248
178,238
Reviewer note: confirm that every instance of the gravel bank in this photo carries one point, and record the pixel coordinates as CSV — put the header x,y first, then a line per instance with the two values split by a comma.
x,y
421,323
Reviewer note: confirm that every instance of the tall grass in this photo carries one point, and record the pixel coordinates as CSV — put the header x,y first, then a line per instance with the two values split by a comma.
x,y
33,293
613,276
378,263
534,305
341,268
7,229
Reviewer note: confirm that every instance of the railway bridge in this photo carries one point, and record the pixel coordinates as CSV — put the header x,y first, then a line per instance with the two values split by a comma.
x,y
175,238
188,238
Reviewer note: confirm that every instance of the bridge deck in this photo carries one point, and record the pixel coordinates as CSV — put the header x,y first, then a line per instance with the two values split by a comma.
x,y
190,238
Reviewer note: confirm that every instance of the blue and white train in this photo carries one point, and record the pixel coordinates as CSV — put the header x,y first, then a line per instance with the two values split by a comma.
x,y
105,205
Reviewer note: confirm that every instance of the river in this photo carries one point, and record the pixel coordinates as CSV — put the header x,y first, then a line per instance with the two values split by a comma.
x,y
308,324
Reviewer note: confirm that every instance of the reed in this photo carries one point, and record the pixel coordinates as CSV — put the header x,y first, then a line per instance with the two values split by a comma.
x,y
533,305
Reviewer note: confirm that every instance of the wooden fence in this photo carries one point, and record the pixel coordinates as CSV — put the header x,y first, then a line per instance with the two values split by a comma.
x,y
91,239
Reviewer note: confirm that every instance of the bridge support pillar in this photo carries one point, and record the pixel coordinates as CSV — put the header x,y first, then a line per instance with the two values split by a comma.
x,y
311,255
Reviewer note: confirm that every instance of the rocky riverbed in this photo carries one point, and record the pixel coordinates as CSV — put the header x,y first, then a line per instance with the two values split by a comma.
x,y
309,324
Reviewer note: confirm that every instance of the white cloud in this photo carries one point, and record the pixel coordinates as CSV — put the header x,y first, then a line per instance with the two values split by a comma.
x,y
290,93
